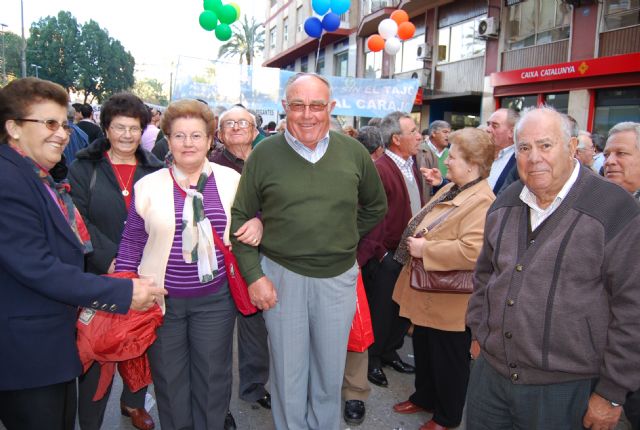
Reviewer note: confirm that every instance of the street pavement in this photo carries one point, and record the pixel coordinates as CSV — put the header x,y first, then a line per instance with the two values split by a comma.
x,y
250,416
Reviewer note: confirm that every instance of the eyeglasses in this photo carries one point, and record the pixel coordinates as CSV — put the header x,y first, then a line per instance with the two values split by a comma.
x,y
182,137
313,107
51,124
121,129
242,123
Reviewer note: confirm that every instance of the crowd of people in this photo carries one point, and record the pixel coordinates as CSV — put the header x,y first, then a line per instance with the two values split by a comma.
x,y
531,223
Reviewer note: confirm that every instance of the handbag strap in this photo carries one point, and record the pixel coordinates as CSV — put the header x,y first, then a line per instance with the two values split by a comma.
x,y
441,218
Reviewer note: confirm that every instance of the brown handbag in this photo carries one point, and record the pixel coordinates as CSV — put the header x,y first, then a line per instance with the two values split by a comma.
x,y
445,281
449,281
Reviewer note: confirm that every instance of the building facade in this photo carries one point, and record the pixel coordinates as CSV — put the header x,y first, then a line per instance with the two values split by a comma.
x,y
474,56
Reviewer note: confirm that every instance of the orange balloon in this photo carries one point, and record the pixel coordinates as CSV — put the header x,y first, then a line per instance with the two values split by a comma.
x,y
399,16
375,42
406,30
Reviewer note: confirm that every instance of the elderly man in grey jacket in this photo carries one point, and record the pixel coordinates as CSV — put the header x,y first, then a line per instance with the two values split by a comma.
x,y
555,306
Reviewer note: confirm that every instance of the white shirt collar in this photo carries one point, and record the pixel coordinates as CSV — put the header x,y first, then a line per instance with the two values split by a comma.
x,y
538,215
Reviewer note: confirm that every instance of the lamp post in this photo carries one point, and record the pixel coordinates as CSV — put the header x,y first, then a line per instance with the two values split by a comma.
x,y
4,59
23,48
36,67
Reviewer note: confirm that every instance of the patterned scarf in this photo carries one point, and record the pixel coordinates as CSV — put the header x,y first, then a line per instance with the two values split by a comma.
x,y
197,239
402,255
61,190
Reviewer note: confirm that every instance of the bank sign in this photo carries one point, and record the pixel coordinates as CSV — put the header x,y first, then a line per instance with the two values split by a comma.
x,y
577,69
262,88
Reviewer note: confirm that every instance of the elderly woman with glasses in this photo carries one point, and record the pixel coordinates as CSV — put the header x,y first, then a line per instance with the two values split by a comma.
x,y
102,179
168,237
43,243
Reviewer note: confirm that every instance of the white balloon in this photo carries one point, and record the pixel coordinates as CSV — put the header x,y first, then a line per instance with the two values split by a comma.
x,y
387,28
392,46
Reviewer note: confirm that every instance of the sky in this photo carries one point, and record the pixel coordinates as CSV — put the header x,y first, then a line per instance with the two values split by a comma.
x,y
155,32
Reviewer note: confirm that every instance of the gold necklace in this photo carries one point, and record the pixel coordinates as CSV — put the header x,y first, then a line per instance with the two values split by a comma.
x,y
124,187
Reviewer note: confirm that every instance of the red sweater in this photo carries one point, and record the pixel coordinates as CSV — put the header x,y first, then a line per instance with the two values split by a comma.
x,y
386,235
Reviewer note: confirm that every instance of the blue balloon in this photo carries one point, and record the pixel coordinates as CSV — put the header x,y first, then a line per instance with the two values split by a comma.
x,y
321,6
340,6
331,22
313,27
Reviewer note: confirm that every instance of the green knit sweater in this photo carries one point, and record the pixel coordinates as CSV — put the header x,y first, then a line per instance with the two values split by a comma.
x,y
313,214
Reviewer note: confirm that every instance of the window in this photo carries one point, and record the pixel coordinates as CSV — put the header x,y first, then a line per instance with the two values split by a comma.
x,y
518,103
459,42
320,63
285,32
620,13
373,65
536,22
407,57
273,33
560,101
304,64
299,19
341,63
614,106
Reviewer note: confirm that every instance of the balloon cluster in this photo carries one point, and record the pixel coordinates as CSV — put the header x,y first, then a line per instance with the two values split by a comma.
x,y
313,25
390,32
215,11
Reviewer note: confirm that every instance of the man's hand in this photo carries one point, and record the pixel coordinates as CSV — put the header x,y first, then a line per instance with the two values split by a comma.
x,y
601,414
262,294
432,176
475,349
250,233
145,294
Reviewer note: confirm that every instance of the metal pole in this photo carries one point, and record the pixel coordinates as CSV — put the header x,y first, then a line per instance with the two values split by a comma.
x,y
4,59
36,67
23,51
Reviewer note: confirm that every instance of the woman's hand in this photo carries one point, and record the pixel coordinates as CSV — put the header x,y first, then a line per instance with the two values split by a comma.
x,y
250,233
416,245
432,176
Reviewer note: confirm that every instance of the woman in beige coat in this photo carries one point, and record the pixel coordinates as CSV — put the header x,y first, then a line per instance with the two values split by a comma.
x,y
456,216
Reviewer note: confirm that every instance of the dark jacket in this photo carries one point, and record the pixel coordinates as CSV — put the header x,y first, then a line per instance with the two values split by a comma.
x,y
92,129
102,205
563,307
42,282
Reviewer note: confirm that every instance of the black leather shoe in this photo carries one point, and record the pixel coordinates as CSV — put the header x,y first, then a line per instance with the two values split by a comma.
x,y
400,366
354,412
265,401
229,422
376,376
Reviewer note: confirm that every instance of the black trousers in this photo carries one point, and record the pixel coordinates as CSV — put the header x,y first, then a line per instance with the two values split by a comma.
x,y
52,407
389,329
632,409
90,413
442,372
253,357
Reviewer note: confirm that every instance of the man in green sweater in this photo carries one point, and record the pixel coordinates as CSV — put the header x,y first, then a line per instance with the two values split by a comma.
x,y
318,192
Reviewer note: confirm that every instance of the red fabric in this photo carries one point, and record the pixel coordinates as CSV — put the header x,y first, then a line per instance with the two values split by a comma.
x,y
361,335
115,338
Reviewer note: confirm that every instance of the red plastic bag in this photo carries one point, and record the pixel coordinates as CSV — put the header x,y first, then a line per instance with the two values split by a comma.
x,y
361,335
115,338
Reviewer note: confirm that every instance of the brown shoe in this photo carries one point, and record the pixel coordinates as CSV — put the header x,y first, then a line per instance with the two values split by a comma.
x,y
140,418
432,425
407,407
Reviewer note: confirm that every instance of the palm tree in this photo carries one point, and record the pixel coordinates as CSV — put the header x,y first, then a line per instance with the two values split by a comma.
x,y
247,39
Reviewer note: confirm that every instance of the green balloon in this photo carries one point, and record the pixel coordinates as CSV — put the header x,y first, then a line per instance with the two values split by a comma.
x,y
223,32
212,5
227,14
208,20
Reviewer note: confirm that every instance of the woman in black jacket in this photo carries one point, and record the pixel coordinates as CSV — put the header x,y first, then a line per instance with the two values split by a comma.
x,y
102,178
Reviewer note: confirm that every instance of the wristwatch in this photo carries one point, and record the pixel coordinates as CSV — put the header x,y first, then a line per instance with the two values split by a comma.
x,y
614,404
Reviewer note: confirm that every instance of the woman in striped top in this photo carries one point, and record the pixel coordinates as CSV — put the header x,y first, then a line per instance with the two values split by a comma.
x,y
168,237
